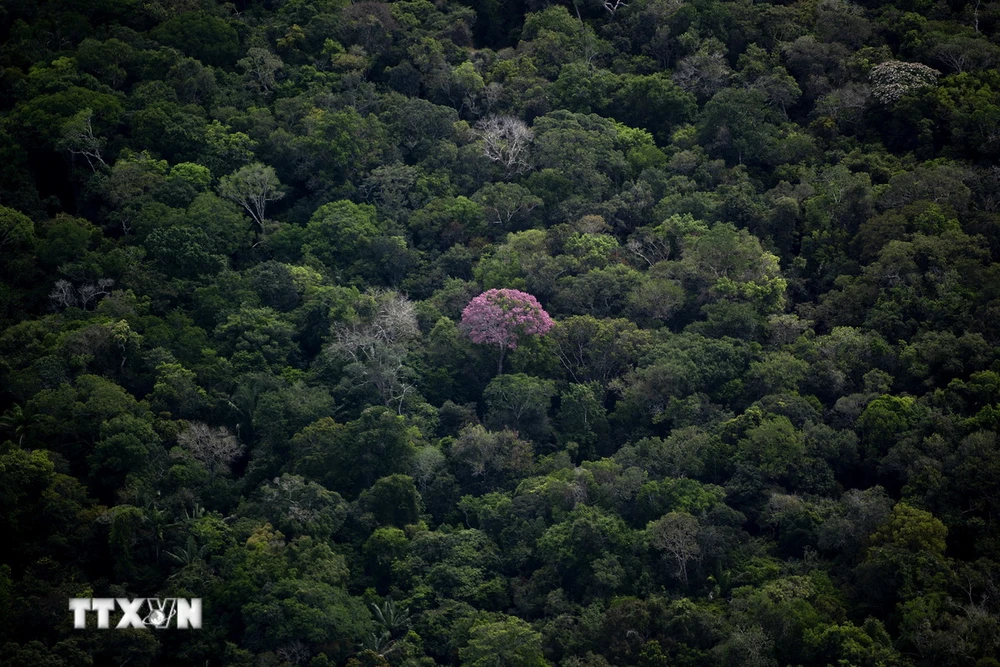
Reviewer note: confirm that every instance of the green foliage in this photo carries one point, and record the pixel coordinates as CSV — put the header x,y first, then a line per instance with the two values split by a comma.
x,y
235,243
506,642
490,459
341,234
256,337
349,458
906,557
17,242
772,447
520,403
124,450
583,419
392,501
297,507
208,38
885,419
729,264
444,222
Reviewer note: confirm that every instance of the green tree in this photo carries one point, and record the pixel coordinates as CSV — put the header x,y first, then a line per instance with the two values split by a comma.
x,y
392,501
585,149
521,403
299,507
252,186
56,115
739,126
906,558
508,642
312,611
577,545
885,420
17,244
208,38
593,349
730,264
349,458
342,234
583,418
773,447
258,337
507,205
493,459
869,645
444,222
127,448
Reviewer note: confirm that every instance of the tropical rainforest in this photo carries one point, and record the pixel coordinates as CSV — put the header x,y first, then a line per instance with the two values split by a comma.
x,y
502,333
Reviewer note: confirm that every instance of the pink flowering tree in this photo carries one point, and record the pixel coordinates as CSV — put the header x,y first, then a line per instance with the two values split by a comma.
x,y
502,317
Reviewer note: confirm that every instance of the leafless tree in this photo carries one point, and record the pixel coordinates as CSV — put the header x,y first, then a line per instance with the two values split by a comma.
x,y
704,72
649,246
64,295
954,56
676,535
963,53
295,652
377,346
506,141
989,196
92,292
214,446
492,94
393,322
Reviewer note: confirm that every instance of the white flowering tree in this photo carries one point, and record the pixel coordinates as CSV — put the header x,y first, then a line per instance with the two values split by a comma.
x,y
894,78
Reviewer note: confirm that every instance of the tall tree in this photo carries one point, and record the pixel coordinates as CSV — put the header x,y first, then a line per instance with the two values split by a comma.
x,y
252,187
502,317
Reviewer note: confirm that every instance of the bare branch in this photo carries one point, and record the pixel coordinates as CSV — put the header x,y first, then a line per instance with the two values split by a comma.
x,y
214,446
252,187
506,140
79,139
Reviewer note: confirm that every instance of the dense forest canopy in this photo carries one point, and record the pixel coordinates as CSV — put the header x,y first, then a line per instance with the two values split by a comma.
x,y
489,333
